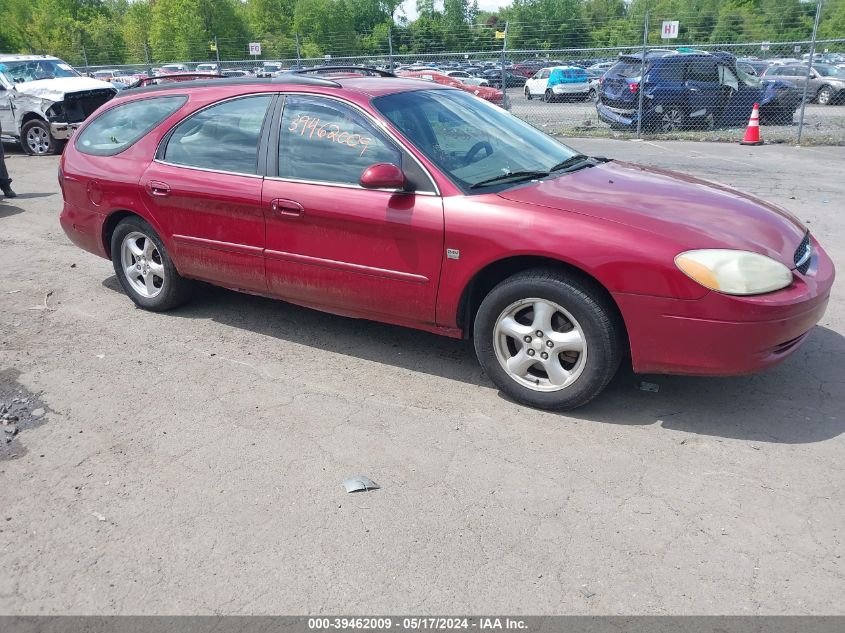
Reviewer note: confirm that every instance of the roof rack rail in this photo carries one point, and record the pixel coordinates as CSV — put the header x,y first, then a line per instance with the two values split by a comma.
x,y
144,81
359,69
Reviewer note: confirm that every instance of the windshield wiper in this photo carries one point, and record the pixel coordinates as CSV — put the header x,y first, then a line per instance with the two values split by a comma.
x,y
511,176
571,162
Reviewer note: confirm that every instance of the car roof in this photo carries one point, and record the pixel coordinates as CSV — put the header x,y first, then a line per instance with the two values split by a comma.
x,y
369,86
10,57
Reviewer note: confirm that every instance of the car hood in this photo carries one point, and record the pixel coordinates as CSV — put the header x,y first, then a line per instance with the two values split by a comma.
x,y
56,89
694,212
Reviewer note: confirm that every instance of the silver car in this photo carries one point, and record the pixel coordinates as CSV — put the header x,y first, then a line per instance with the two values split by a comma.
x,y
826,84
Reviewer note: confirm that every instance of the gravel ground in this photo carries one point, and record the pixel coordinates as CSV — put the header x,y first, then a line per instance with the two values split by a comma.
x,y
192,462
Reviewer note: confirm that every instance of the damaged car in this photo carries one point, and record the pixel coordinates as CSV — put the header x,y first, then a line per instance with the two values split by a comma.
x,y
43,99
684,89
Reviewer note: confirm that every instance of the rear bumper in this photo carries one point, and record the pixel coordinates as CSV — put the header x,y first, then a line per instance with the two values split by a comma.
x,y
571,89
84,228
62,131
721,335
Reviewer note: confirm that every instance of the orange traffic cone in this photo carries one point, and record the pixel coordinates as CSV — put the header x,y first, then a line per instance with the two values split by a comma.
x,y
752,132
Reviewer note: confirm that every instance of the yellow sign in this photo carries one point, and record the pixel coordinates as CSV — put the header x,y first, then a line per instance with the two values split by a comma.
x,y
500,35
212,46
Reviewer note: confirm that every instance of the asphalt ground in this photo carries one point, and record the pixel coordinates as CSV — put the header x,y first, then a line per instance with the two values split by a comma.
x,y
191,462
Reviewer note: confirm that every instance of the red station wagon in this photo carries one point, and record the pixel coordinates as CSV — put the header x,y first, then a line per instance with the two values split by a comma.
x,y
416,204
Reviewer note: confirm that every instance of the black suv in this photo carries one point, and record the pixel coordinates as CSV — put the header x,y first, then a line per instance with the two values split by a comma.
x,y
690,88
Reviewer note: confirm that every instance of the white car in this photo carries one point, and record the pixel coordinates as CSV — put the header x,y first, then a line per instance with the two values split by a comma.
x,y
467,79
43,99
556,82
208,68
169,69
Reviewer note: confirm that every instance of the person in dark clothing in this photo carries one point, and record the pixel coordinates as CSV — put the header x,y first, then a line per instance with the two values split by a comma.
x,y
5,181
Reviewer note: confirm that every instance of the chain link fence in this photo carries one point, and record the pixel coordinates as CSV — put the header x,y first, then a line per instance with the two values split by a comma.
x,y
665,76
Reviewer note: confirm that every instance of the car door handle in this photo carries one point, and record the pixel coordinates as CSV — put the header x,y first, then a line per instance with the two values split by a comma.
x,y
286,208
695,89
158,188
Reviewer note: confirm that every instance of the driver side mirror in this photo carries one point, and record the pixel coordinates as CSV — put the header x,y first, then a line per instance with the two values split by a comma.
x,y
383,176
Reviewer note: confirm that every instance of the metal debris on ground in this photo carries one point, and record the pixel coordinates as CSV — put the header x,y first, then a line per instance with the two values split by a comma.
x,y
359,483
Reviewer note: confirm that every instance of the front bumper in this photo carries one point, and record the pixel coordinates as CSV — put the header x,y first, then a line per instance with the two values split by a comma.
x,y
62,131
722,335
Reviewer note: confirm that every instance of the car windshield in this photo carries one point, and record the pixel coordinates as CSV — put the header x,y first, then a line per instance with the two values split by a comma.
x,y
33,70
469,139
830,71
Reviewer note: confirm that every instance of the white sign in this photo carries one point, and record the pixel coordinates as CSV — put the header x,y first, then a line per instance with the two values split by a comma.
x,y
797,49
255,48
669,30
764,46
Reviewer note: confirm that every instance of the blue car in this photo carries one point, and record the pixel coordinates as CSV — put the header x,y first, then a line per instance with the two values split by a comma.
x,y
690,89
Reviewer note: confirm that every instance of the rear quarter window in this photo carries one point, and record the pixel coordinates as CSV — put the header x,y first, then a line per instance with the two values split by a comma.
x,y
671,72
626,69
120,127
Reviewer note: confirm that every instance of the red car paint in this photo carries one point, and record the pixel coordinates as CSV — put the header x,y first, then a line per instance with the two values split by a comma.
x,y
485,92
382,255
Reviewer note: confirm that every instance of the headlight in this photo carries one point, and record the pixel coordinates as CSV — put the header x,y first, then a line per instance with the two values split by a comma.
x,y
734,272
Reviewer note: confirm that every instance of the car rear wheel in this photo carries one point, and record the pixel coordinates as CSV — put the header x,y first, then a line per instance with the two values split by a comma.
x,y
144,268
548,339
825,95
593,95
672,120
36,139
548,96
527,93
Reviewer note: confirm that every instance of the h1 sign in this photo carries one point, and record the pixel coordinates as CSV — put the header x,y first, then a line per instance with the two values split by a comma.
x,y
669,30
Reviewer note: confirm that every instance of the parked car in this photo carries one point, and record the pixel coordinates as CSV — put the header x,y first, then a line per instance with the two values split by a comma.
x,y
690,89
485,92
529,67
270,69
208,68
42,99
231,72
456,218
168,69
465,78
826,85
558,82
494,78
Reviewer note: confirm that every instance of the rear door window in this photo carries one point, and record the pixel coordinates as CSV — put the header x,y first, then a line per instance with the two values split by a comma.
x,y
321,140
223,137
119,127
671,72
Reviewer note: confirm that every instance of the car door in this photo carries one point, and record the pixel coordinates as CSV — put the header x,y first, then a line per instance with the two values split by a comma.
x,y
703,93
537,83
335,245
204,187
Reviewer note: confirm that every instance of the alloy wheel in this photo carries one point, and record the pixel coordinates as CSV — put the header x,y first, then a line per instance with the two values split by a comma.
x,y
672,119
540,345
824,96
142,264
38,140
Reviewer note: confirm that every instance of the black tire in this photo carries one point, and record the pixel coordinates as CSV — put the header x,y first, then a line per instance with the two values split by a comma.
x,y
36,139
825,95
672,119
174,289
590,306
548,96
592,95
528,94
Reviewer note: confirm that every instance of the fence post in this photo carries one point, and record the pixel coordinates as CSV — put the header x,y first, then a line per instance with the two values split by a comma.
x,y
505,102
809,68
390,48
84,56
298,59
147,56
642,77
217,52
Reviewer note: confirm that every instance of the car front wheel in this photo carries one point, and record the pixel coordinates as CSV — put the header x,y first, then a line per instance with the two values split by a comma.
x,y
36,139
548,339
144,268
527,93
825,96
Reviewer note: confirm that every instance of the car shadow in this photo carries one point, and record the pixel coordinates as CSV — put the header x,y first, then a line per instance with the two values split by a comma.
x,y
799,401
28,196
